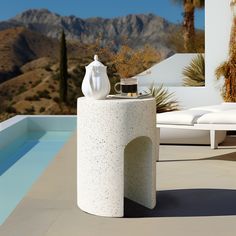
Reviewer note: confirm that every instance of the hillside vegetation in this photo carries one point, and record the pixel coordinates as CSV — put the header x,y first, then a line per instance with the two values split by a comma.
x,y
29,71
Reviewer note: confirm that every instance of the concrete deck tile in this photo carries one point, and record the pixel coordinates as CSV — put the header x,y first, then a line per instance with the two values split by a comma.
x,y
196,189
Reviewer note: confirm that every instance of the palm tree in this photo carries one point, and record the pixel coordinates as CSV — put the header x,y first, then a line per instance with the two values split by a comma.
x,y
227,69
188,22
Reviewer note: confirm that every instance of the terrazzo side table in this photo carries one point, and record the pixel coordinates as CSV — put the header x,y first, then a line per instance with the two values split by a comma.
x,y
117,152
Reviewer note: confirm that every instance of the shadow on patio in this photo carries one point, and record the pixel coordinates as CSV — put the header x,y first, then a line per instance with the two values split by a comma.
x,y
186,202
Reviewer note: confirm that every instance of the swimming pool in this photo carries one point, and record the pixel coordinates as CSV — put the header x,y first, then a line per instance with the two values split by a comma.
x,y
27,146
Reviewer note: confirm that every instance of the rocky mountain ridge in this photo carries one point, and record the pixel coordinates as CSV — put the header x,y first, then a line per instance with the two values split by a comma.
x,y
135,30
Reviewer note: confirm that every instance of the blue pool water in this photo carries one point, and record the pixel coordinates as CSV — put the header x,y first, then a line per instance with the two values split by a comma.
x,y
21,163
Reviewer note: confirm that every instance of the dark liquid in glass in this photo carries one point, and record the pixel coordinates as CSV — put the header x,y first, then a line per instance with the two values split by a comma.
x,y
133,88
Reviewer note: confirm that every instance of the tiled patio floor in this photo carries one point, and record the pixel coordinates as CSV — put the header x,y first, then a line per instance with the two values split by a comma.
x,y
197,192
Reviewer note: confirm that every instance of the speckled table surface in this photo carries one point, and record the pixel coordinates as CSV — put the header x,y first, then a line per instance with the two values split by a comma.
x,y
117,151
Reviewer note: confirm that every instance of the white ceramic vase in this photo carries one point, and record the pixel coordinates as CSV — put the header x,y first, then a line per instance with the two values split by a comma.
x,y
96,83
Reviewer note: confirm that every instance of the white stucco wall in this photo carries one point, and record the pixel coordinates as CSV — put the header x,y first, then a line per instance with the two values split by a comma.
x,y
168,72
218,22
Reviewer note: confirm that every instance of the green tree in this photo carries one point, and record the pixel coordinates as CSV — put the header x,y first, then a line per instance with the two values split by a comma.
x,y
188,22
63,68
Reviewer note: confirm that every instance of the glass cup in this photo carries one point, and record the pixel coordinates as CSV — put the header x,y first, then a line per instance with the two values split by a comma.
x,y
128,87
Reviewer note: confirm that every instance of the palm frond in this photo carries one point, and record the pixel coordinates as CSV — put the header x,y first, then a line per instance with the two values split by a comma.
x,y
199,3
223,70
165,101
194,73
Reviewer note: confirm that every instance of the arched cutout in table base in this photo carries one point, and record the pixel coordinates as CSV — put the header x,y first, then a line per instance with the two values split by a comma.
x,y
138,180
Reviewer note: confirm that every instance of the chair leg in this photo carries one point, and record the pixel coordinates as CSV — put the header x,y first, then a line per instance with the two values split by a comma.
x,y
214,144
158,131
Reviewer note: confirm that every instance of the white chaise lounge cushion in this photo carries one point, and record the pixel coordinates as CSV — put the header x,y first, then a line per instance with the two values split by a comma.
x,y
186,117
214,108
224,117
217,108
229,105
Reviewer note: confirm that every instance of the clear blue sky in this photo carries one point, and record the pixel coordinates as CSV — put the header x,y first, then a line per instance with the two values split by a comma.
x,y
101,8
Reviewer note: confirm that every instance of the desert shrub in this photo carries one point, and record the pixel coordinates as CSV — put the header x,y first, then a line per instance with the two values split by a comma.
x,y
164,100
36,83
44,94
22,89
32,98
77,74
30,110
47,68
42,109
56,99
56,76
75,71
11,109
194,73
51,86
4,93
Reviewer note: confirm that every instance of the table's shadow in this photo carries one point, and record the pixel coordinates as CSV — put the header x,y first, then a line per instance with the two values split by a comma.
x,y
186,202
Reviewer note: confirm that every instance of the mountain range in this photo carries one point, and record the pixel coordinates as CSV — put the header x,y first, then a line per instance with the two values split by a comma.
x,y
136,30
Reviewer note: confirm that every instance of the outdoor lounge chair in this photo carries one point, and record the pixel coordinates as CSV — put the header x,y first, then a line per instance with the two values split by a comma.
x,y
212,120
